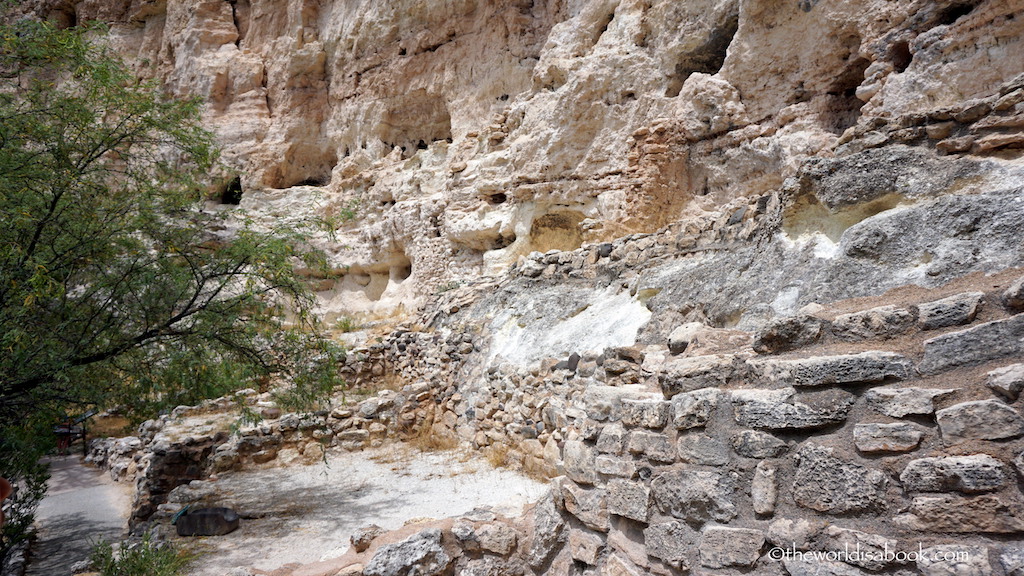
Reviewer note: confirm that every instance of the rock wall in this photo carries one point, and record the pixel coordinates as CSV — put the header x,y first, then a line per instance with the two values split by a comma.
x,y
740,275
467,134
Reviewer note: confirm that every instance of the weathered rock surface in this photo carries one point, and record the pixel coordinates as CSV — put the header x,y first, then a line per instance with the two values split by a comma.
x,y
828,484
980,419
989,341
419,554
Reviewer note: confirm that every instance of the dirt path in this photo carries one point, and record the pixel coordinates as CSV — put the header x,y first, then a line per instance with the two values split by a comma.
x,y
302,514
82,506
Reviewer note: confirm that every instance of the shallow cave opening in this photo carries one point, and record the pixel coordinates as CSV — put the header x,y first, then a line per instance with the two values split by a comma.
x,y
497,199
954,12
232,194
900,56
842,107
708,58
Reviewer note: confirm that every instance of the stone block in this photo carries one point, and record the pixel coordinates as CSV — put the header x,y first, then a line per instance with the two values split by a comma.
x,y
899,437
757,444
615,466
900,402
420,554
694,409
984,342
612,439
980,420
798,533
655,447
695,496
362,537
952,311
861,548
985,514
672,542
788,333
585,546
1013,297
954,560
968,474
497,538
881,322
629,499
603,403
645,413
722,547
579,461
809,566
764,489
1007,382
682,336
783,409
865,367
1012,559
698,448
549,531
689,374
828,484
589,505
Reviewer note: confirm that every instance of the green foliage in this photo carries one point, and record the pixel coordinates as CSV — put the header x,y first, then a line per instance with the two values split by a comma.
x,y
145,558
346,324
114,289
20,453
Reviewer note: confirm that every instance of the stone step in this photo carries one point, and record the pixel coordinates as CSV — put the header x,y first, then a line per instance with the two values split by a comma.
x,y
989,341
866,367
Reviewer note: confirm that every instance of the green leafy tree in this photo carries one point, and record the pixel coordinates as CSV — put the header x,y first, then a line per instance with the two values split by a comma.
x,y
115,287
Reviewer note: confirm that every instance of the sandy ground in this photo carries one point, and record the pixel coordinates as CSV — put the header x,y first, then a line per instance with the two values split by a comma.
x,y
82,506
304,514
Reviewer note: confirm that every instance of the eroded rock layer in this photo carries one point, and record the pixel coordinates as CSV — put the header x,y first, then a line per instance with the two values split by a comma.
x,y
743,276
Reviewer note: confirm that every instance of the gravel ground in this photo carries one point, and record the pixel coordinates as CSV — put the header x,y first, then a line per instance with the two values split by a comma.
x,y
303,514
82,506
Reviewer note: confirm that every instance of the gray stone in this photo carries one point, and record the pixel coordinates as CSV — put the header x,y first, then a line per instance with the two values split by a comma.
x,y
612,439
605,402
722,547
952,311
757,444
695,496
827,484
1013,297
670,542
644,413
585,546
957,514
682,336
1018,463
866,367
881,322
788,333
362,537
490,566
1012,559
795,533
810,566
465,533
589,505
1008,381
899,437
417,555
984,342
764,490
655,447
697,448
497,537
783,409
968,474
578,459
615,466
549,531
689,374
862,549
900,402
954,560
694,409
980,420
629,499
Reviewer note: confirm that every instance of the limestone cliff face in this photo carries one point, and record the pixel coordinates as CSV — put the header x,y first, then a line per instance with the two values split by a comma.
x,y
467,134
